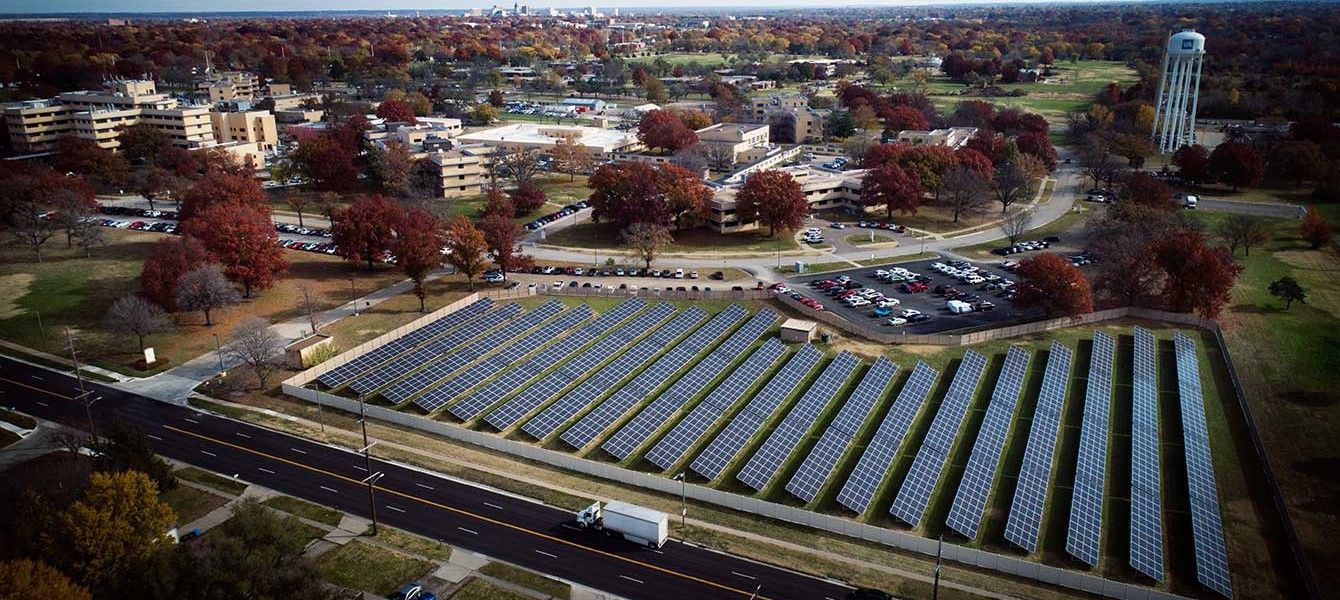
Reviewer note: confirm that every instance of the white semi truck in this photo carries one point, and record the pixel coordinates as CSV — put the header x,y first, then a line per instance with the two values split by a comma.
x,y
636,524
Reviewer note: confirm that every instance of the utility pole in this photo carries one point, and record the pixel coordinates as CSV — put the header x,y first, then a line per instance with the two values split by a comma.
x,y
367,463
79,376
683,500
372,480
218,351
939,551
353,295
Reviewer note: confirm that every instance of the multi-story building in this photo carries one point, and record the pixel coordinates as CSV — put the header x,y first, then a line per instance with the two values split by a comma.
x,y
823,190
99,116
224,86
953,137
599,143
804,125
728,144
247,127
463,171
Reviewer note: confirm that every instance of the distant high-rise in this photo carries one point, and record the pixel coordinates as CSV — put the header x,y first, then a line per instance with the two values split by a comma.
x,y
1179,92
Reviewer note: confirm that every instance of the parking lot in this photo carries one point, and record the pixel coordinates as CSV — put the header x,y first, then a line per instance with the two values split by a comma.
x,y
929,303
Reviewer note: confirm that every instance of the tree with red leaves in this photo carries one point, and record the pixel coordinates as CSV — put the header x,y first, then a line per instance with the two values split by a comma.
x,y
904,118
772,198
244,241
973,113
365,230
1193,162
883,154
1198,277
665,130
327,162
929,164
972,159
634,192
168,260
687,198
527,198
497,203
1237,165
1144,189
83,157
892,187
1314,228
418,249
988,144
466,246
220,189
1052,283
500,237
1038,145
396,111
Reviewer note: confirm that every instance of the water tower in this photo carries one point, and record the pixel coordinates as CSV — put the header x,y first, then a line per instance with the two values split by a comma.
x,y
1179,91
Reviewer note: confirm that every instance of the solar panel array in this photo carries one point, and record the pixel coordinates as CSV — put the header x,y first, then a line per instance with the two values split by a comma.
x,y
1030,492
765,463
438,370
1146,501
878,457
609,376
818,465
380,354
965,516
425,354
1207,528
638,430
736,434
553,354
1084,535
921,480
615,406
448,390
687,432
573,370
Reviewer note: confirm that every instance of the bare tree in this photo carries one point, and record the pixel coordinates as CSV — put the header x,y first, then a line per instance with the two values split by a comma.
x,y
521,163
1099,163
257,346
87,233
29,223
964,191
571,158
133,315
204,289
647,239
1243,231
1016,224
1010,184
307,301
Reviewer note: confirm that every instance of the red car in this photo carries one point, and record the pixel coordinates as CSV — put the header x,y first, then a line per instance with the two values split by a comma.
x,y
915,287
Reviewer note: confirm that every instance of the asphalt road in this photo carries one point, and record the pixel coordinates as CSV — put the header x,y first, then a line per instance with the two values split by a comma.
x,y
502,526
1258,209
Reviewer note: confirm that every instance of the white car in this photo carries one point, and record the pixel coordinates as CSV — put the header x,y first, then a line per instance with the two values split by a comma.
x,y
974,279
896,321
558,285
909,313
888,303
857,302
869,293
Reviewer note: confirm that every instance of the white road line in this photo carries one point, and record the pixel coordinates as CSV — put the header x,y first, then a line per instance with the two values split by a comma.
x,y
297,450
266,470
97,399
658,551
469,531
426,487
191,420
240,434
395,508
743,575
492,505
330,490
570,527
153,437
360,468
35,377
631,579
208,453
546,554
40,403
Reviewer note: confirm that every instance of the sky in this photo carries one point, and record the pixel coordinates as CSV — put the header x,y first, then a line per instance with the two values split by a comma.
x,y
180,6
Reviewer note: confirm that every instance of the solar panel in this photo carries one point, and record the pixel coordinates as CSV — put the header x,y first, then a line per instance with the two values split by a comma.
x,y
578,368
343,373
687,432
965,516
440,369
641,428
930,460
551,355
783,441
1030,493
878,457
616,405
609,376
405,364
818,465
736,434
448,390
1084,535
1207,529
1146,502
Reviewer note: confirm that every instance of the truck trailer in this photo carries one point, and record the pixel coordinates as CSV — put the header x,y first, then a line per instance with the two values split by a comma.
x,y
636,524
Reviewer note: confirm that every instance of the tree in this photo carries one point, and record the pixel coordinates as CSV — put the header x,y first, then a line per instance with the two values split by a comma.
x,y
1010,184
396,111
326,161
24,579
244,241
76,211
1198,278
654,91
635,192
1134,147
116,526
484,114
905,118
420,103
1297,161
527,198
125,448
571,158
1243,231
1288,289
466,247
647,240
686,197
964,191
223,188
893,188
31,223
1144,189
976,161
133,315
1314,228
500,237
365,230
393,164
258,347
418,249
497,203
772,198
522,164
307,301
1193,162
140,143
168,260
158,183
694,119
206,288
1097,160
259,542
1052,283
1237,165
664,130
1039,145
83,157
1016,224
929,164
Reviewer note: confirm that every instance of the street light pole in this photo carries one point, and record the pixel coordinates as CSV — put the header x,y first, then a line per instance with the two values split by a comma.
x,y
939,549
372,480
218,350
353,295
79,376
683,500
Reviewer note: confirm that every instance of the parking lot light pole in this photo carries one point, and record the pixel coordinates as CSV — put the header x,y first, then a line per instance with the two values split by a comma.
x,y
683,499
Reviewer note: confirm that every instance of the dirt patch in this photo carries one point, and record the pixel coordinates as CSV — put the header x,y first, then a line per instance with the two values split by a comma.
x,y
13,287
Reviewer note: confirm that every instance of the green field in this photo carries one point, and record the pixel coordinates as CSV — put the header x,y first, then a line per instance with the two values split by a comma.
x,y
226,485
369,568
1074,88
304,509
528,579
603,236
190,503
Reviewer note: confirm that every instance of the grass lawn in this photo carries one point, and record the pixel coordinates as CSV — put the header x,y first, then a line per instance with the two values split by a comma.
x,y
603,236
190,503
21,421
1068,223
560,190
1074,88
370,568
205,478
7,437
67,289
305,509
528,579
478,589
858,239
414,543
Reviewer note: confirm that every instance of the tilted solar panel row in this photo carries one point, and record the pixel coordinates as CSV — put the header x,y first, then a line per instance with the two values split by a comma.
x,y
965,515
343,373
688,431
727,444
425,354
877,459
763,466
664,369
1207,528
1146,493
551,355
818,466
640,428
1030,493
1084,534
